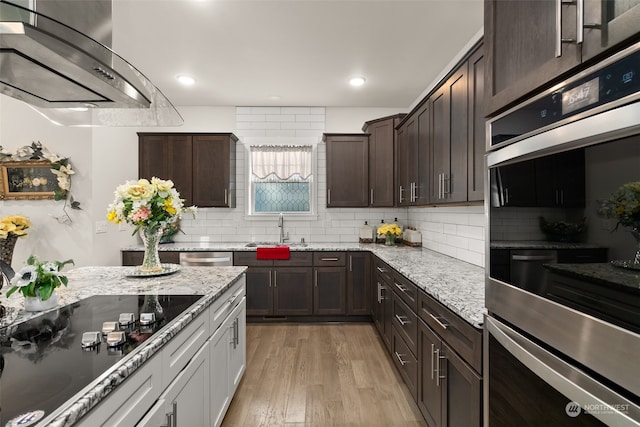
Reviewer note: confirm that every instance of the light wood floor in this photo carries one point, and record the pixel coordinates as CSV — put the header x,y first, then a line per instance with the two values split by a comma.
x,y
320,375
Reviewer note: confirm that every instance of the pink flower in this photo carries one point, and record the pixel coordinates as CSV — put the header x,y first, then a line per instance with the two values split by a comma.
x,y
141,214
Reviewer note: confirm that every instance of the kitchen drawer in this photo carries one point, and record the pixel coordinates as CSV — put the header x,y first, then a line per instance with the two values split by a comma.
x,y
406,322
177,353
224,305
249,259
581,256
296,259
129,402
459,335
329,259
405,361
383,270
406,290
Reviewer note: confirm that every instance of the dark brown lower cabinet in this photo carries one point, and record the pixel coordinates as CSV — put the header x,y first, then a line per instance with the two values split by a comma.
x,y
293,291
358,283
330,290
134,258
449,390
279,291
405,361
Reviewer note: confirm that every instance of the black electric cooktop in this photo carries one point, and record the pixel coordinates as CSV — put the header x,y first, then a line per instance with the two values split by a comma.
x,y
43,363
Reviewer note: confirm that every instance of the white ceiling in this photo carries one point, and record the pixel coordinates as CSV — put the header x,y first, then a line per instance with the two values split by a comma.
x,y
244,52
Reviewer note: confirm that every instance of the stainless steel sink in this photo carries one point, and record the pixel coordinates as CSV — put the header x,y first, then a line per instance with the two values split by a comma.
x,y
290,244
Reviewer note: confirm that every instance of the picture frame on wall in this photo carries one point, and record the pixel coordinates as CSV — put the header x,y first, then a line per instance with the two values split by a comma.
x,y
27,180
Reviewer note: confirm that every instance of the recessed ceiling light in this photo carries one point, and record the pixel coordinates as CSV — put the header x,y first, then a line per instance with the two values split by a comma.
x,y
274,98
357,81
185,80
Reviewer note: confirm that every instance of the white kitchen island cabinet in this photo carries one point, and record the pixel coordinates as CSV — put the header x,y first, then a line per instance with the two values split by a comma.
x,y
185,374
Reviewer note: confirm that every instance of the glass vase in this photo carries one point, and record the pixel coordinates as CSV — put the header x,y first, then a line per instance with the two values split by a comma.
x,y
150,239
6,248
390,240
38,304
635,232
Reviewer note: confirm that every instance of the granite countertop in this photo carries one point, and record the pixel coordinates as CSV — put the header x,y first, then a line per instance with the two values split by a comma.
x,y
602,273
541,244
456,284
88,281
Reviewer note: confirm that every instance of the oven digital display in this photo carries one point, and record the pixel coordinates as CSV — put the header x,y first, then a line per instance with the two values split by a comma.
x,y
581,96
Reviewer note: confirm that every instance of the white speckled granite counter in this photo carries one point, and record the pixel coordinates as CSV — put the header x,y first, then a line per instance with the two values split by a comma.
x,y
456,284
88,281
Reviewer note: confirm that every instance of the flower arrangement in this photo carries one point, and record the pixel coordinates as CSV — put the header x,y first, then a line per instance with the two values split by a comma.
x,y
39,278
623,205
14,226
154,204
390,230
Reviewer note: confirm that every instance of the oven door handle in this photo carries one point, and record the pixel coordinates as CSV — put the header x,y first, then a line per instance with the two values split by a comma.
x,y
532,258
567,379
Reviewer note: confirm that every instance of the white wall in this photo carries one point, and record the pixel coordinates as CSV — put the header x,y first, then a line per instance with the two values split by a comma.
x,y
49,238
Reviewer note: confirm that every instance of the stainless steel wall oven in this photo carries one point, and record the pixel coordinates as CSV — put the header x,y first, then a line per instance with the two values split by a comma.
x,y
562,332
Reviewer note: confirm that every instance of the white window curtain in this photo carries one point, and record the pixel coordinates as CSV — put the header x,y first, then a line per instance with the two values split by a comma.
x,y
280,162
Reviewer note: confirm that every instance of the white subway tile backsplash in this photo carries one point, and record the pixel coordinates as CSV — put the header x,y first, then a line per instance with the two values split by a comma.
x,y
295,110
454,231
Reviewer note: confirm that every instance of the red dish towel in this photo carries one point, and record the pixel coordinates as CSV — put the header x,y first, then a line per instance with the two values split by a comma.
x,y
276,252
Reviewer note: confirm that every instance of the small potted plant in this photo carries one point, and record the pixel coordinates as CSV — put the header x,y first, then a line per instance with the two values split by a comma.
x,y
624,206
37,282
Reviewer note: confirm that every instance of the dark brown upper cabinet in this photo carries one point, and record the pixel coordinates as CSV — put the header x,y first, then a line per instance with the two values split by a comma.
x,y
528,48
477,133
201,165
347,170
382,152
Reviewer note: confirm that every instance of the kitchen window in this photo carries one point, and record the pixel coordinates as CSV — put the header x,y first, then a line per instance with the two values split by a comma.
x,y
281,179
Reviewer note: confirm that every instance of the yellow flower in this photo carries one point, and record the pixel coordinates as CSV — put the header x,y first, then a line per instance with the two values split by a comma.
x,y
15,225
168,206
112,217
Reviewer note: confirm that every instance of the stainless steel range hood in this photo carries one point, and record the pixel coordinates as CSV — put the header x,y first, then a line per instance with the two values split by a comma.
x,y
66,70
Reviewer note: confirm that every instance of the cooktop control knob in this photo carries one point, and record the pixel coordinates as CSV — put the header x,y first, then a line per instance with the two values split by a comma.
x,y
126,319
90,339
116,338
147,318
108,327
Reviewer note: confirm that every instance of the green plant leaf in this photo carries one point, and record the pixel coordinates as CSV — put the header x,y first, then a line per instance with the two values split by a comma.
x,y
12,291
46,291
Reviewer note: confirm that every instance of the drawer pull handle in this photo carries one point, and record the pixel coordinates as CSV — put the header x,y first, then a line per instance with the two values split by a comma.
x,y
432,353
329,259
403,288
399,356
381,270
438,321
401,320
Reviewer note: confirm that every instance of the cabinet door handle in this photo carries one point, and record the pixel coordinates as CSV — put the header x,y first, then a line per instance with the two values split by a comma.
x,y
316,272
432,353
372,196
226,196
330,259
438,359
329,196
379,293
350,262
437,320
275,279
401,320
399,356
580,21
400,193
381,270
440,186
446,185
506,196
558,28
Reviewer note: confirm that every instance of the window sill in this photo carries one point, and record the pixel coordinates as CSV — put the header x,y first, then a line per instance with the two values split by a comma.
x,y
291,216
